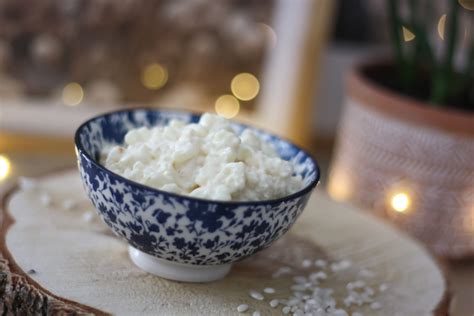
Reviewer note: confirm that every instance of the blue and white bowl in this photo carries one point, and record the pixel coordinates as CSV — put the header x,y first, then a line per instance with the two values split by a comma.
x,y
180,237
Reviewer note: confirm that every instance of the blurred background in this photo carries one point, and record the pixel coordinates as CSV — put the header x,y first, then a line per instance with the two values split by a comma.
x,y
280,64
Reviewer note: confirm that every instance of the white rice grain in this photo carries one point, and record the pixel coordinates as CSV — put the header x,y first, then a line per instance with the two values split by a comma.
x,y
383,287
88,216
256,295
45,199
242,308
68,204
375,305
269,290
26,183
274,303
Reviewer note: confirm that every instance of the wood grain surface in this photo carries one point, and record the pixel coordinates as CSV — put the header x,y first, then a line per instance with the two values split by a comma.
x,y
54,261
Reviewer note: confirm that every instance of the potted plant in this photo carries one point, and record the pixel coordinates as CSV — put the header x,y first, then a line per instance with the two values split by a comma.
x,y
405,147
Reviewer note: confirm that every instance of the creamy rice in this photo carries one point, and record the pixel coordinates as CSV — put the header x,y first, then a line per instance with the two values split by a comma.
x,y
206,160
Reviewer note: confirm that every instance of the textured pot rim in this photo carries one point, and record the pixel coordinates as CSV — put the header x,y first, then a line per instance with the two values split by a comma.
x,y
403,107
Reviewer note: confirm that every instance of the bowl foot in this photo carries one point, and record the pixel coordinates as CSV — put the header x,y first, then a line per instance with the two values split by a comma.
x,y
177,271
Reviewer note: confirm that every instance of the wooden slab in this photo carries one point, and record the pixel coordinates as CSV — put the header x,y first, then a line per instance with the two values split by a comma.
x,y
54,256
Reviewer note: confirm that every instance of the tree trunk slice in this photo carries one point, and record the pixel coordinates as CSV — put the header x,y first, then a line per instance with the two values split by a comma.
x,y
53,261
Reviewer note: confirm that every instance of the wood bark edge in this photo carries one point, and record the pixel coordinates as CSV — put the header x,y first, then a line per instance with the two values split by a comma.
x,y
20,294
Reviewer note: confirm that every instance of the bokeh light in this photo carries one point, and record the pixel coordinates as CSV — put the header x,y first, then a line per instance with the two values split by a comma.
x,y
245,86
467,4
407,34
340,185
72,94
441,24
154,76
400,202
227,106
5,166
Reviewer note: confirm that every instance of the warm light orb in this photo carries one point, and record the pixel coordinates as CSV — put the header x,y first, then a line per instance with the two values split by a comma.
x,y
154,76
467,4
441,24
4,167
245,86
400,202
407,34
227,106
73,94
340,185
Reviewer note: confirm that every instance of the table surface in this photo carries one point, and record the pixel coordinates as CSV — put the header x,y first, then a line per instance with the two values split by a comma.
x,y
460,274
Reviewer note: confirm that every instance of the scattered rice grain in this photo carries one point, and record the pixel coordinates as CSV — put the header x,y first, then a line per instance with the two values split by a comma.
x,y
256,295
341,265
45,199
88,216
383,287
306,263
307,298
376,305
242,308
26,183
281,271
369,291
68,204
274,303
316,276
269,290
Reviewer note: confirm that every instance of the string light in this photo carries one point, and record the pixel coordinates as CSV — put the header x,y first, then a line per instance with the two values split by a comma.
x,y
245,86
72,94
154,76
400,202
227,106
340,185
5,166
407,34
441,24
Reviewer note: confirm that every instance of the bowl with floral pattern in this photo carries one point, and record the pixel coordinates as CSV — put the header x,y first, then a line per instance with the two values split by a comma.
x,y
181,237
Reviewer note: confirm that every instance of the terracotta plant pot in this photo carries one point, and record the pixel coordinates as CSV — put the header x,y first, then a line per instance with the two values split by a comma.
x,y
407,161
